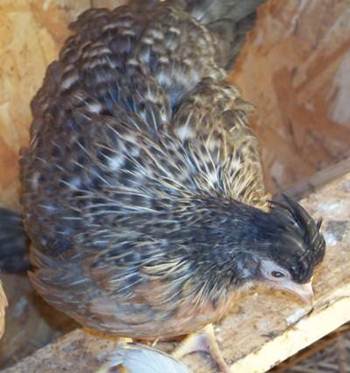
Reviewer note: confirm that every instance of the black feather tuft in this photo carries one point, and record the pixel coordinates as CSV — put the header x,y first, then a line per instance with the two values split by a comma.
x,y
13,243
301,235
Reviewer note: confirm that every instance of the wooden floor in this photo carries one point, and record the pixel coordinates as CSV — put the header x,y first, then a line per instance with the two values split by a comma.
x,y
329,355
265,328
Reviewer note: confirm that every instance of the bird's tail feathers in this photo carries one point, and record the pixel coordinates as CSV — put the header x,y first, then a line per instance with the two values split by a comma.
x,y
13,242
228,20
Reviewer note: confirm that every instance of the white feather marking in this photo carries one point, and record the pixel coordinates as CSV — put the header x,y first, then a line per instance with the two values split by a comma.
x,y
135,151
174,30
75,182
35,180
114,163
164,59
184,132
212,178
156,34
147,40
95,107
69,81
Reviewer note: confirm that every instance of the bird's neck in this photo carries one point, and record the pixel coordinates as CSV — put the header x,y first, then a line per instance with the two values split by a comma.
x,y
228,241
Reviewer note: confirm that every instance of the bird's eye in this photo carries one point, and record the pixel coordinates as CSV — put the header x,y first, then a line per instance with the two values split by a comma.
x,y
277,274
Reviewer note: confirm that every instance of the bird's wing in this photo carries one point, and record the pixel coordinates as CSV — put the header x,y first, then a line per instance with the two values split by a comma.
x,y
212,122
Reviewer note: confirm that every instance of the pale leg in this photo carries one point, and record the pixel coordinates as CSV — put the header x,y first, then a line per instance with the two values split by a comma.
x,y
204,340
114,361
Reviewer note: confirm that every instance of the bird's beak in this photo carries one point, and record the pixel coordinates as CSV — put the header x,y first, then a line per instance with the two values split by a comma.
x,y
303,291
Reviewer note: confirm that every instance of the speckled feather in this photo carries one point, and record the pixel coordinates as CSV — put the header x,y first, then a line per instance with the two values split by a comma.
x,y
143,182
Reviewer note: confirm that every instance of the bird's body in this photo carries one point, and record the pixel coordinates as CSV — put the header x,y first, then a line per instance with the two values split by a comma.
x,y
143,193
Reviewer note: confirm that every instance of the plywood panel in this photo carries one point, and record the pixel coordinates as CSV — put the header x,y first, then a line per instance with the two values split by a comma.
x,y
295,68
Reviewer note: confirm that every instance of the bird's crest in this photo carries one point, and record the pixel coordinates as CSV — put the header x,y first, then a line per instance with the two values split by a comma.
x,y
305,227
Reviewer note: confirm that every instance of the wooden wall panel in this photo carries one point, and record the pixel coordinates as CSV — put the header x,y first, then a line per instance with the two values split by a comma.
x,y
295,67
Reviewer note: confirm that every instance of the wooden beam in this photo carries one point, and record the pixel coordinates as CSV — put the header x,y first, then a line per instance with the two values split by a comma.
x,y
264,328
313,183
3,305
308,330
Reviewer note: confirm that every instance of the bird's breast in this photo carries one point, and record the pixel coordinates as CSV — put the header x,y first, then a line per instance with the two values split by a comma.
x,y
149,320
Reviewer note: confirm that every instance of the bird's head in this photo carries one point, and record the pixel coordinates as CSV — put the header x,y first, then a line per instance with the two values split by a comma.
x,y
287,254
238,243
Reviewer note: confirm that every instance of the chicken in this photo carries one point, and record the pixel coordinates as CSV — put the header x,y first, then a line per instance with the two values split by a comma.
x,y
143,193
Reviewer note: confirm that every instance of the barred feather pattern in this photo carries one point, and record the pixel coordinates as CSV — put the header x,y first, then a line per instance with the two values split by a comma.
x,y
139,152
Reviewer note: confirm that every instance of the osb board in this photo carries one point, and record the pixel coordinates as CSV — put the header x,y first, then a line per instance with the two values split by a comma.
x,y
330,354
3,305
265,327
30,322
31,34
294,68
